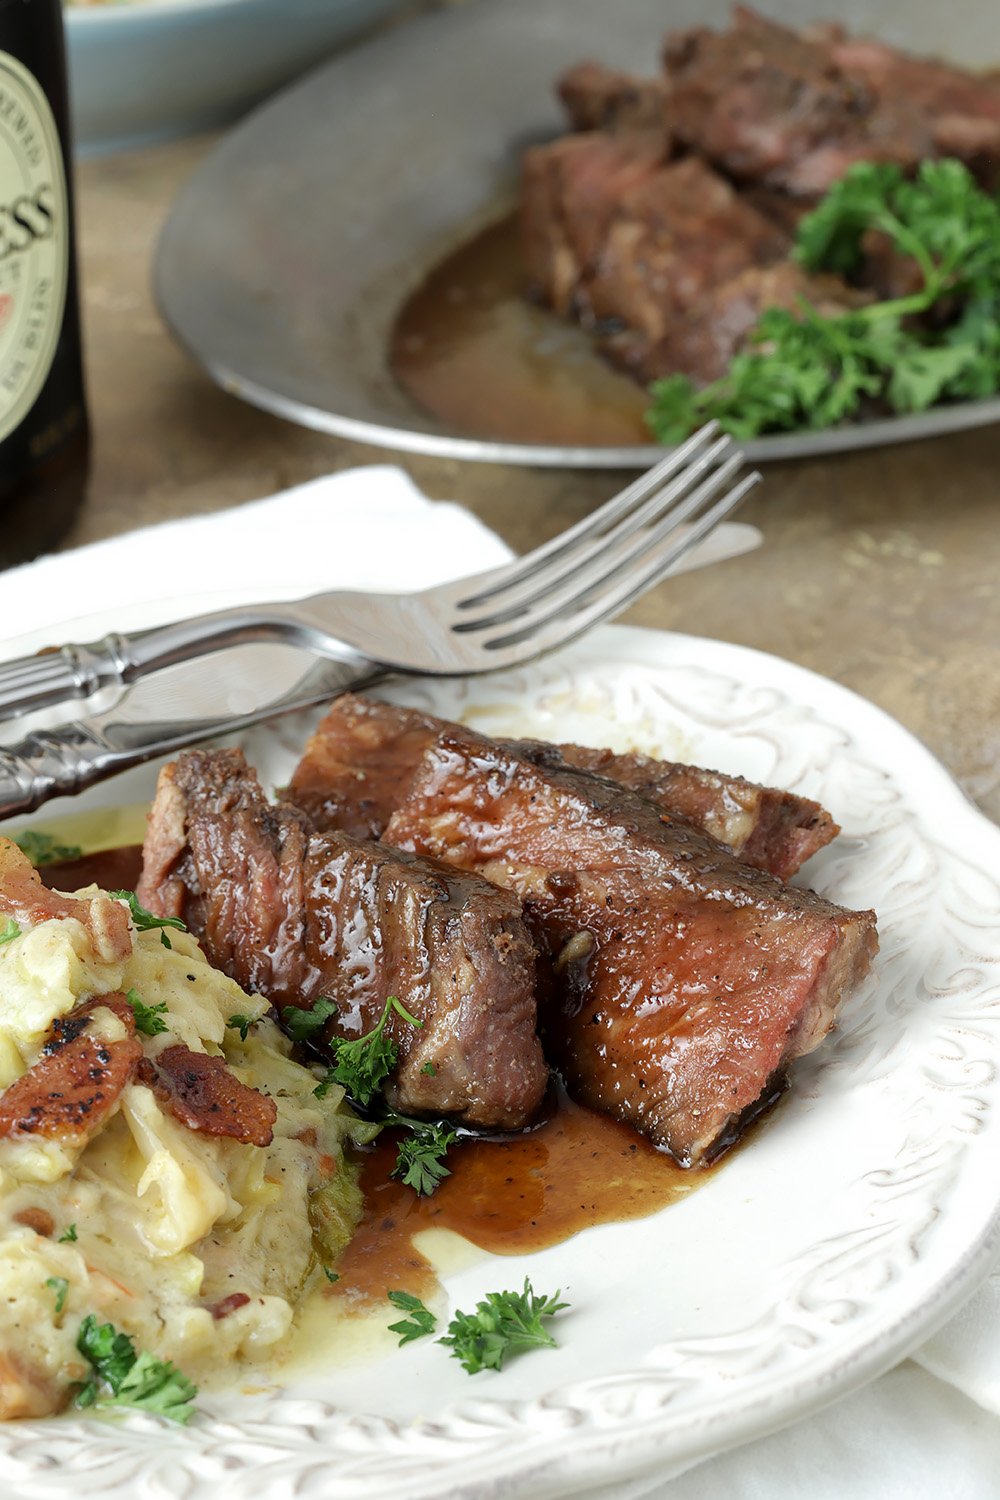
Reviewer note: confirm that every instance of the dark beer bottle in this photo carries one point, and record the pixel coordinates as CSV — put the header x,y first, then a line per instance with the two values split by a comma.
x,y
44,434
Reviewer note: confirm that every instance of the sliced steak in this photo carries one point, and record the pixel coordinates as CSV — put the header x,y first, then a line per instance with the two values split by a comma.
x,y
205,1095
600,98
363,756
686,981
295,915
77,1081
769,829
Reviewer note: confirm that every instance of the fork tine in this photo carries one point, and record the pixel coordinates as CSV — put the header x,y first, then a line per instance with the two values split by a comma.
x,y
602,571
667,506
521,568
556,630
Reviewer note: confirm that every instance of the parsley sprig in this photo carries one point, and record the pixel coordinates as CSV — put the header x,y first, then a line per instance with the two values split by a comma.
x,y
942,342
148,1018
43,849
123,1378
301,1024
420,1322
503,1324
420,1158
144,921
361,1066
9,932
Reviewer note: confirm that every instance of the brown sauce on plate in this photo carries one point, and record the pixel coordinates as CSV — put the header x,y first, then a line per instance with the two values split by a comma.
x,y
509,1195
472,351
506,1194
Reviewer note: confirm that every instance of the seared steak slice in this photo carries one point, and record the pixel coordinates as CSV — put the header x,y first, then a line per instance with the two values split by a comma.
x,y
772,830
295,915
600,98
686,981
360,761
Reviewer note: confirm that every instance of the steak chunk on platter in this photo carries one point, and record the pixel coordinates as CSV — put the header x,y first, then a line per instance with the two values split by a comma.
x,y
600,98
295,915
364,755
703,343
570,193
793,110
686,981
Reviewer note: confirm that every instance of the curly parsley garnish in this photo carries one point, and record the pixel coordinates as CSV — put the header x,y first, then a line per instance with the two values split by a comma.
x,y
362,1066
10,932
43,849
148,1018
123,1378
144,921
301,1024
242,1024
68,1236
804,369
420,1159
503,1324
418,1325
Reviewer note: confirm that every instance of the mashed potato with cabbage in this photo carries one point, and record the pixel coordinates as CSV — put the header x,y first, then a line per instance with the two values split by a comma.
x,y
197,1245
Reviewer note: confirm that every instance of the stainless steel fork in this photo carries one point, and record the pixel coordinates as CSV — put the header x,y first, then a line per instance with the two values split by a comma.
x,y
481,623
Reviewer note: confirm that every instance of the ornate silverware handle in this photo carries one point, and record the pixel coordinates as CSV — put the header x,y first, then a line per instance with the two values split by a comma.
x,y
52,764
59,762
30,683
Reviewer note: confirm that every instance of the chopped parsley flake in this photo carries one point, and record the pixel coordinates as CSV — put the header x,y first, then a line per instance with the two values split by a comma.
x,y
144,921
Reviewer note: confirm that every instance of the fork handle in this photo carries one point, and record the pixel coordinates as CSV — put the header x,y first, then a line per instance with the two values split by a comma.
x,y
58,762
79,671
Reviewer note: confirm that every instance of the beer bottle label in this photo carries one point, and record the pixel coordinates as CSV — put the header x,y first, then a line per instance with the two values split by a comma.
x,y
34,241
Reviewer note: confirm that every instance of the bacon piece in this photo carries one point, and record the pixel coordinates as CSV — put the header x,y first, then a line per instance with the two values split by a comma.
x,y
227,1305
205,1095
25,898
77,1080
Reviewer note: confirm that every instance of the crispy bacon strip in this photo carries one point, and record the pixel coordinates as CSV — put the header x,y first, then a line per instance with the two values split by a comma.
x,y
77,1080
205,1094
25,898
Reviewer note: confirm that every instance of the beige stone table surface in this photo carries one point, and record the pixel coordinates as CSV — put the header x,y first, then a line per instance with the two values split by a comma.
x,y
879,569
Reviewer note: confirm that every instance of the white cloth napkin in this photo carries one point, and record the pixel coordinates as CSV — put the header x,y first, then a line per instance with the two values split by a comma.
x,y
926,1430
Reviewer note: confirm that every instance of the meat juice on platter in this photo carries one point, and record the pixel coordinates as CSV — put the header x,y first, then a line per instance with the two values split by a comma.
x,y
475,353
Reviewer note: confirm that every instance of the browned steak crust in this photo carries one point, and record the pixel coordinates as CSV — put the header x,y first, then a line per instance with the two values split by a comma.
x,y
295,915
363,756
687,981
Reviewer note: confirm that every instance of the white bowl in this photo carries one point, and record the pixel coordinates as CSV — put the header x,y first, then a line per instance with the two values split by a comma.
x,y
150,69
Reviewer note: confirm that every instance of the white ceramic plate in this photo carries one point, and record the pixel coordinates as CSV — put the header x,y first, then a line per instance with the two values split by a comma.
x,y
864,1210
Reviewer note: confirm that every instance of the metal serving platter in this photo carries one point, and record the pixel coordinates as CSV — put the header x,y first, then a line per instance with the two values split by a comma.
x,y
287,256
